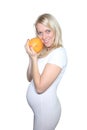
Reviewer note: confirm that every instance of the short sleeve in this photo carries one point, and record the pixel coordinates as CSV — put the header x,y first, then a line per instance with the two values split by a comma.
x,y
58,57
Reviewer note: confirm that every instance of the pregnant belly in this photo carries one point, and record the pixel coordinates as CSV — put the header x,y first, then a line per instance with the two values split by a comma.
x,y
38,102
33,99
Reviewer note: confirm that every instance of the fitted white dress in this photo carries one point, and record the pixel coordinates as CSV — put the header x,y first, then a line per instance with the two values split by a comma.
x,y
46,106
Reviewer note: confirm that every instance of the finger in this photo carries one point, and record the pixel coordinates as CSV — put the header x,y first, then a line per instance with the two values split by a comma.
x,y
31,48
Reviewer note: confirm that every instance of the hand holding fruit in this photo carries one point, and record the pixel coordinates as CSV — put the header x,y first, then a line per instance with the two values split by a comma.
x,y
36,44
33,46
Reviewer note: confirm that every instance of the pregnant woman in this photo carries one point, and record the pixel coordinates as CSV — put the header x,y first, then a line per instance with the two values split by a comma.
x,y
44,73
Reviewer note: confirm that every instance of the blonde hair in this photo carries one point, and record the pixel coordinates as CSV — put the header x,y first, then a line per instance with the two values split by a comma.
x,y
51,22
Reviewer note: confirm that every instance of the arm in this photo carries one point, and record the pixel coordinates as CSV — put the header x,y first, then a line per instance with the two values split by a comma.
x,y
43,81
29,71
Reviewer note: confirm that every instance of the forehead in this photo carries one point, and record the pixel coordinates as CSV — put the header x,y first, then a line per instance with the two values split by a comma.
x,y
41,27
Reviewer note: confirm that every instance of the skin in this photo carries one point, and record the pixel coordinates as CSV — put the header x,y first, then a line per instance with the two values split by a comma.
x,y
41,81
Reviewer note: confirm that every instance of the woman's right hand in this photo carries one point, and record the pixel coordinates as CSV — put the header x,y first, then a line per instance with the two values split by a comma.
x,y
30,51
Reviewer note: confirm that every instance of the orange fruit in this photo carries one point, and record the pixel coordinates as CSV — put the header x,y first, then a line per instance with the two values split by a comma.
x,y
36,44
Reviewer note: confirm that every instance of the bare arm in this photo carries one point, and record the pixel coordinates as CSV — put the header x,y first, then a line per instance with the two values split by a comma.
x,y
42,82
29,71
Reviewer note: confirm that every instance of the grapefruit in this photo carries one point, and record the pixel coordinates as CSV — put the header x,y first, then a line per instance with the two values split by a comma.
x,y
36,44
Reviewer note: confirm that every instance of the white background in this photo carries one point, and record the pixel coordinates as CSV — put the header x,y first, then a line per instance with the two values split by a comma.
x,y
16,25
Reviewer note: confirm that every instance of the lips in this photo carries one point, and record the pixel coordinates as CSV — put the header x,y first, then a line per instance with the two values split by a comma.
x,y
46,41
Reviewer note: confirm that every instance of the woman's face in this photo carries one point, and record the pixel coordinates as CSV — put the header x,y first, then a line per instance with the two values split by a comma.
x,y
46,34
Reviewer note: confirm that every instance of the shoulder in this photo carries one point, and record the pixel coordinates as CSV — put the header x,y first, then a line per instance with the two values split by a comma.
x,y
58,57
58,51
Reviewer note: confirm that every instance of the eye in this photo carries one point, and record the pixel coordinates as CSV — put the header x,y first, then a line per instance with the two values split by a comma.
x,y
48,31
39,33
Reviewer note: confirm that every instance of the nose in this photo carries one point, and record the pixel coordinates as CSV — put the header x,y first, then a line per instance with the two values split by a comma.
x,y
43,36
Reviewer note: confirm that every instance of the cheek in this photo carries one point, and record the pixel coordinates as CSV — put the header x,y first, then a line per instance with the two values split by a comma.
x,y
52,34
40,37
52,37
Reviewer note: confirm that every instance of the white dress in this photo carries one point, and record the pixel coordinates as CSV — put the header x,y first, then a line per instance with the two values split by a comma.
x,y
46,106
